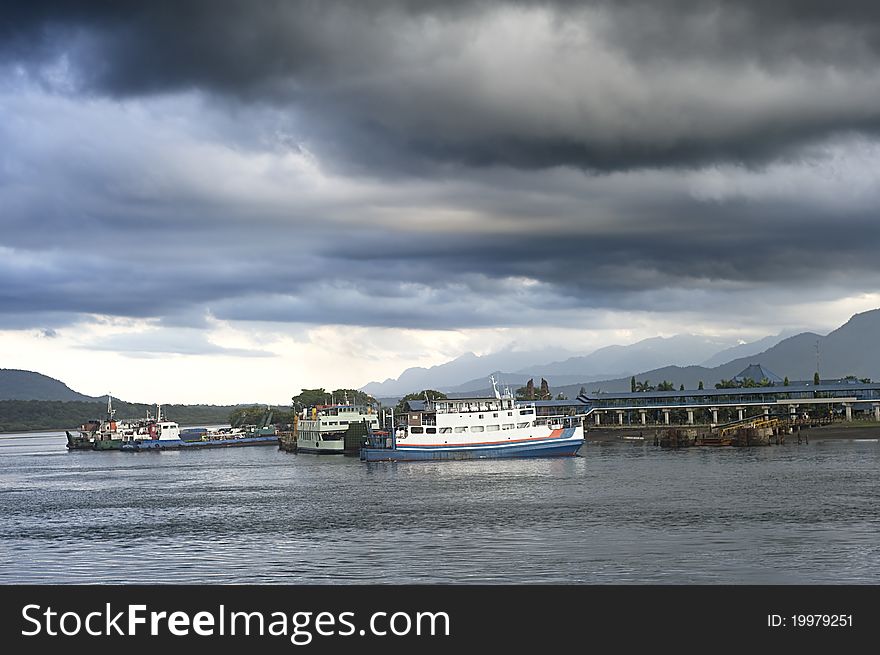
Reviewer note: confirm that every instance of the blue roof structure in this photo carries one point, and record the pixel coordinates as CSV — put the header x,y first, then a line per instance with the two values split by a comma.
x,y
757,373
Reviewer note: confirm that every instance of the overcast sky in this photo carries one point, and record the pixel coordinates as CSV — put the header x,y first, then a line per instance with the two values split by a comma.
x,y
227,201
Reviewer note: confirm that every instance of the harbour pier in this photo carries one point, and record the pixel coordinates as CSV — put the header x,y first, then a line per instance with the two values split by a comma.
x,y
729,416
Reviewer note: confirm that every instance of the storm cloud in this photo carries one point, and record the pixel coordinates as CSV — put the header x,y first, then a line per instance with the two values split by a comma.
x,y
597,85
433,165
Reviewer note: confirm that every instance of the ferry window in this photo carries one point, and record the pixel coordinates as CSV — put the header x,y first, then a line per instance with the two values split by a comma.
x,y
461,429
415,430
507,426
522,425
431,430
495,415
477,428
510,413
481,416
493,428
445,430
526,411
343,422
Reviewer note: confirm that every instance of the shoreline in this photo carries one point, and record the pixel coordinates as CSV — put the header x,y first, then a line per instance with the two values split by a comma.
x,y
857,430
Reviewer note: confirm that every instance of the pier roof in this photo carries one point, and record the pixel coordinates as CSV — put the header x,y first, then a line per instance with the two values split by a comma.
x,y
757,373
777,390
554,403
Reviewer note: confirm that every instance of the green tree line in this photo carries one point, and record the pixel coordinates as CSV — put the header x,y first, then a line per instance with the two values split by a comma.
x,y
26,415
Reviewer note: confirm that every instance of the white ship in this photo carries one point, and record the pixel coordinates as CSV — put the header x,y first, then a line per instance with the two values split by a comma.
x,y
322,429
477,428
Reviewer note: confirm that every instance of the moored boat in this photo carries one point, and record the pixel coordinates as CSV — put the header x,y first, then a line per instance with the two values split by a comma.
x,y
476,428
108,433
321,430
162,434
167,436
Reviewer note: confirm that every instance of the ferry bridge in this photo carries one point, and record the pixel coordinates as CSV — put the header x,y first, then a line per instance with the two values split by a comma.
x,y
843,400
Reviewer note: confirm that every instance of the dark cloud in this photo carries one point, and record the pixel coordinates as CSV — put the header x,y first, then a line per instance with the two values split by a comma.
x,y
598,85
618,244
185,162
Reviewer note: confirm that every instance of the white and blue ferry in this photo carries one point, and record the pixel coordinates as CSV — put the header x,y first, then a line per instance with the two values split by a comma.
x,y
476,428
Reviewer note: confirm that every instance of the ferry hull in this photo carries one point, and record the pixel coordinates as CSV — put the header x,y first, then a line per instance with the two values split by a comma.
x,y
320,451
179,444
566,448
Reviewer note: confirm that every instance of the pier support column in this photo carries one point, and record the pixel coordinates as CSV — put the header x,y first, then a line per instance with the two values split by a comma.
x,y
877,412
766,412
596,416
620,418
690,417
644,415
714,415
666,416
741,412
848,408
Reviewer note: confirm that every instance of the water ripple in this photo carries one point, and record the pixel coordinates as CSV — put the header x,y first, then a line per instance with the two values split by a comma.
x,y
620,514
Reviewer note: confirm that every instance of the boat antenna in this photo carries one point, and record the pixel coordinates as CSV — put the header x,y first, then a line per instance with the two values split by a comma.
x,y
495,387
110,410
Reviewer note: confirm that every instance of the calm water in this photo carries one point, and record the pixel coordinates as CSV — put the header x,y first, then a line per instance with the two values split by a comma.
x,y
623,513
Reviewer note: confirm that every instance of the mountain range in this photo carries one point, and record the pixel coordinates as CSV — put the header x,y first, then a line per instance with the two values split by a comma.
x,y
683,359
851,349
16,384
465,367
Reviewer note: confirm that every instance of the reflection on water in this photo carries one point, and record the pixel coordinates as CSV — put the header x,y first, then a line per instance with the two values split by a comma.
x,y
623,513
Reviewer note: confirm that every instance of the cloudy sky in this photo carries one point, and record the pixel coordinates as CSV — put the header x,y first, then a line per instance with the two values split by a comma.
x,y
227,201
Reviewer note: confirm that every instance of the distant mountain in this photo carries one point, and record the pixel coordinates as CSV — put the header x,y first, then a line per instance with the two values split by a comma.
x,y
784,359
27,385
851,349
681,349
453,373
512,380
683,359
747,349
689,376
606,363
